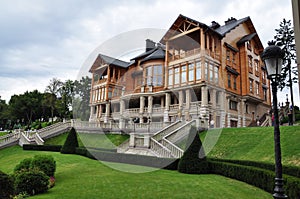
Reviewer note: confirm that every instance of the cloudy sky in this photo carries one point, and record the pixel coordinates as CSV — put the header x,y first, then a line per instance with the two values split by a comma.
x,y
42,39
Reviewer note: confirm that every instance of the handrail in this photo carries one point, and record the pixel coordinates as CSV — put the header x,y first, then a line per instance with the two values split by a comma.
x,y
38,139
175,150
160,133
160,150
178,129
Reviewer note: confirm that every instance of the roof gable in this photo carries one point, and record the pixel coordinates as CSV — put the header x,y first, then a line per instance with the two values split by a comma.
x,y
230,25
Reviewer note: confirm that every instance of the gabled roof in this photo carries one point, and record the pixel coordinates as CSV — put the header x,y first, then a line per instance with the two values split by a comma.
x,y
113,61
144,54
158,53
230,25
177,23
109,61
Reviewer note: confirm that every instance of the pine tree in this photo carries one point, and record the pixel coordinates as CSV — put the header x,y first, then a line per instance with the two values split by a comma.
x,y
193,159
71,143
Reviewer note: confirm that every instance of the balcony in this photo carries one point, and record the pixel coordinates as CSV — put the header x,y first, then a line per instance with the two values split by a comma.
x,y
100,81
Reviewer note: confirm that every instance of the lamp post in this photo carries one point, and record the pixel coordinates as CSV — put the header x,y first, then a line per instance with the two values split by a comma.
x,y
273,58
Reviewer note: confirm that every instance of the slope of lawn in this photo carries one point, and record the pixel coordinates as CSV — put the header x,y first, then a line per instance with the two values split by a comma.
x,y
257,144
80,177
109,141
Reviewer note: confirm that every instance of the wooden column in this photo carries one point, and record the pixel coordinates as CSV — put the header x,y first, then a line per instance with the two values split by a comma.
x,y
202,39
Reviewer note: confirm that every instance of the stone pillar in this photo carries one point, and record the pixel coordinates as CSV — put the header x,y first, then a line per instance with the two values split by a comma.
x,y
228,119
239,114
122,106
213,98
150,104
180,98
146,141
92,113
107,113
187,99
168,101
243,113
204,98
131,140
142,104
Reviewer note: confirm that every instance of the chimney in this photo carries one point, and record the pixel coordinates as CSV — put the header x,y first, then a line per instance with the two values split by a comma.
x,y
229,20
149,45
214,25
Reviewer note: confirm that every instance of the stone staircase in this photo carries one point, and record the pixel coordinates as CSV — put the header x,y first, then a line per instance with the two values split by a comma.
x,y
160,144
22,137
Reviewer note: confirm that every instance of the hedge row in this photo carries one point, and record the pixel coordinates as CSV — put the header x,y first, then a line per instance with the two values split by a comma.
x,y
288,170
150,161
55,148
258,177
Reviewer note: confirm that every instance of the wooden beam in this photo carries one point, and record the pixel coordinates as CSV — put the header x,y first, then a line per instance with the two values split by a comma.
x,y
184,33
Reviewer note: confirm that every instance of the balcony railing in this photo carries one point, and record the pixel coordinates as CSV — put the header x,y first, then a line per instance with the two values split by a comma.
x,y
184,54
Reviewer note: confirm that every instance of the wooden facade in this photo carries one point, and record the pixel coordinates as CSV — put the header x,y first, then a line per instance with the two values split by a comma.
x,y
195,71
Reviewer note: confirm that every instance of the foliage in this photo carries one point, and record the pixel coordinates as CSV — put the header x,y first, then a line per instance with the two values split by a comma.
x,y
286,40
44,163
55,148
81,98
6,185
23,165
32,182
193,159
71,142
255,176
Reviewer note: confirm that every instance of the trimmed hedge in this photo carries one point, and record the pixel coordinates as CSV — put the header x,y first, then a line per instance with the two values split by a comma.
x,y
258,177
44,163
150,161
32,182
288,170
6,185
192,161
54,148
23,165
71,143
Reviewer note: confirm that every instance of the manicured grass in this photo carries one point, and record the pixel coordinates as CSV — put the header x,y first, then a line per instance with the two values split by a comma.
x,y
109,141
2,133
257,144
80,177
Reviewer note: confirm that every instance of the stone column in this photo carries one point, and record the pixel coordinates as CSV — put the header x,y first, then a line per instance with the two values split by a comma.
x,y
168,101
142,104
228,119
150,104
187,99
131,140
239,114
243,113
213,94
180,98
107,112
204,98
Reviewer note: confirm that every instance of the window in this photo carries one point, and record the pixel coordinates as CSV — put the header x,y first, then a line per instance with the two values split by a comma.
x,y
198,70
257,88
256,67
233,105
248,43
229,80
233,58
183,74
234,82
206,71
216,74
265,94
250,64
176,76
191,72
211,72
154,75
228,55
263,76
170,77
251,85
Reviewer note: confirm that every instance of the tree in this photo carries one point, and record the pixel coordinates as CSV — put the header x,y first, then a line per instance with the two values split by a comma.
x,y
4,115
81,98
286,40
71,143
53,89
64,103
193,159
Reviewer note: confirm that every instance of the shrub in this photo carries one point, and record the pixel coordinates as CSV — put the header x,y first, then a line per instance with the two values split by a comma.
x,y
32,182
193,159
44,163
23,165
71,143
6,185
55,148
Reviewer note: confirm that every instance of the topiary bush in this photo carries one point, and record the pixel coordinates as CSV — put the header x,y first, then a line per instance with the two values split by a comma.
x,y
71,143
44,163
32,182
193,159
23,165
6,185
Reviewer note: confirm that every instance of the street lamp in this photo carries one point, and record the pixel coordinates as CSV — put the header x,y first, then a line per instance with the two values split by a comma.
x,y
273,58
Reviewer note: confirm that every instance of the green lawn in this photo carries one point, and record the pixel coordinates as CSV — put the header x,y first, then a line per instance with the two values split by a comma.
x,y
2,133
257,144
80,177
109,141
